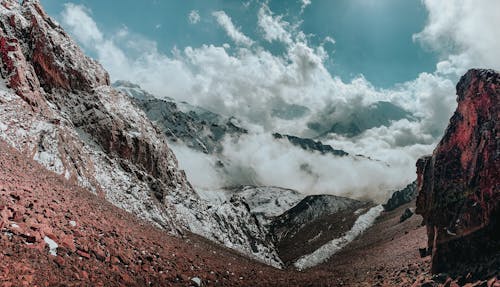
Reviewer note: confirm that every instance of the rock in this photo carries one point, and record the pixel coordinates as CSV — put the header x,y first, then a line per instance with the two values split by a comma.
x,y
196,280
311,145
59,261
83,254
68,243
401,197
196,127
459,185
406,214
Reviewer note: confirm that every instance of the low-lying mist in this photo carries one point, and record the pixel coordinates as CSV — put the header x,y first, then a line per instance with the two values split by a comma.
x,y
260,159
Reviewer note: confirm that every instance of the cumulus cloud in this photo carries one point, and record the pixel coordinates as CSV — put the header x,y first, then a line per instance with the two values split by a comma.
x,y
249,82
463,33
274,28
79,16
194,17
233,32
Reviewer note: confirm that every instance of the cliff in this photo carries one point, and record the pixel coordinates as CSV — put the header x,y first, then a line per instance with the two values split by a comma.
x,y
459,185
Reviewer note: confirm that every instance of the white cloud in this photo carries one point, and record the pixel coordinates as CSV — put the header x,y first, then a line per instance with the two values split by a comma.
x,y
304,3
273,27
79,16
233,32
277,163
463,33
241,82
194,17
329,39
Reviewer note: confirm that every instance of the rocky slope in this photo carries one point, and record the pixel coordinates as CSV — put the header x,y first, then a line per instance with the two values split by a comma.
x,y
53,232
56,233
459,185
195,127
58,108
401,197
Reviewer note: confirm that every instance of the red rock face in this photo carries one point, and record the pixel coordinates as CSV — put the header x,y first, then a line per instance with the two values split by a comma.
x,y
459,185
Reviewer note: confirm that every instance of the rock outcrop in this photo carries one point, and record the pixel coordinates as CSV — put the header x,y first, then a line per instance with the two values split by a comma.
x,y
311,145
459,185
401,197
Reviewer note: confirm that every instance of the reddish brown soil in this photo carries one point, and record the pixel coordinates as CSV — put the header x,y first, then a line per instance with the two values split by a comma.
x,y
385,255
110,247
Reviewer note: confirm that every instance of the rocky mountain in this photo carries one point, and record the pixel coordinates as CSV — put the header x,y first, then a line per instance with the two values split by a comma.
x,y
57,107
401,197
313,222
195,127
311,145
203,130
459,185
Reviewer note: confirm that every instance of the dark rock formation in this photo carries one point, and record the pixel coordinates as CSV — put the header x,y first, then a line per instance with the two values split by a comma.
x,y
459,185
311,145
401,197
406,214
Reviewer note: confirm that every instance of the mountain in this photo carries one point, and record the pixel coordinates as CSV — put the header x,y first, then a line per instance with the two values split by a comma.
x,y
55,233
459,185
364,118
313,222
311,145
401,197
58,107
195,127
203,130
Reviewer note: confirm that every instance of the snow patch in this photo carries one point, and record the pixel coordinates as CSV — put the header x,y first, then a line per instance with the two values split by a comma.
x,y
326,251
52,245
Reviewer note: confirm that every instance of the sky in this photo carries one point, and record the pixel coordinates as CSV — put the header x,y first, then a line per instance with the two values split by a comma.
x,y
373,38
246,58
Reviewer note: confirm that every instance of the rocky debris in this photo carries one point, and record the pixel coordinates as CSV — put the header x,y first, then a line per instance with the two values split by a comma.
x,y
459,185
311,145
384,255
401,197
406,214
107,246
114,248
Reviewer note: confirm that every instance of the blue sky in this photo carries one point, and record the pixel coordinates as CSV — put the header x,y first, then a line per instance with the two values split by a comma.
x,y
245,59
372,37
